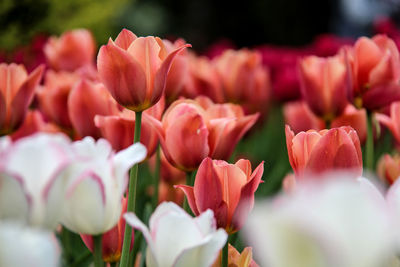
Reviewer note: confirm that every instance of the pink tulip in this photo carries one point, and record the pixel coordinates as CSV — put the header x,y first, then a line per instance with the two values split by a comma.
x,y
392,122
72,50
194,129
376,72
86,100
227,189
16,93
134,69
325,84
388,168
112,239
320,151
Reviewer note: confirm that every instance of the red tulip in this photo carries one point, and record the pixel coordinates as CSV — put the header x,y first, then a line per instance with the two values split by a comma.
x,y
376,72
392,122
194,129
85,101
319,151
112,240
72,50
388,168
134,69
325,84
227,189
16,93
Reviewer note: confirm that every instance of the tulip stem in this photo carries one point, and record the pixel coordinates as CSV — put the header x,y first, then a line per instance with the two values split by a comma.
x,y
131,195
156,178
225,255
97,251
189,182
369,146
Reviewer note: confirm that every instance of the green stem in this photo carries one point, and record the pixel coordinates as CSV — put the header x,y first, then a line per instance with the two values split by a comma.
x,y
156,178
131,195
113,264
224,259
369,146
97,251
82,258
189,183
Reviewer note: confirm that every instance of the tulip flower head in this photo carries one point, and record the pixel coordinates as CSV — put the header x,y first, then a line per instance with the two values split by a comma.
x,y
392,122
227,189
16,93
134,69
388,168
97,183
177,239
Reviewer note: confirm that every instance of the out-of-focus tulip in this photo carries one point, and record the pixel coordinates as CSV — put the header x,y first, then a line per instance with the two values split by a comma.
x,y
53,96
236,259
196,241
118,130
72,50
326,45
194,129
320,151
97,183
289,183
393,201
22,246
392,122
325,84
227,189
388,168
34,122
203,79
168,192
178,72
330,222
85,101
376,72
134,69
300,118
244,79
112,240
355,118
16,93
31,182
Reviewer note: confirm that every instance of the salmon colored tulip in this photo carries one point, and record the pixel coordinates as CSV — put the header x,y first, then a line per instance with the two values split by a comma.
x,y
134,69
392,122
227,189
244,79
388,168
167,192
86,100
16,93
355,118
194,129
72,50
299,117
325,84
34,122
111,240
118,130
289,183
376,72
236,259
53,96
320,151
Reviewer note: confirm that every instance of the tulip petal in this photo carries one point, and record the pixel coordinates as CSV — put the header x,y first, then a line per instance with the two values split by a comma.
x,y
356,118
3,111
381,95
203,254
122,75
24,96
367,55
189,193
125,38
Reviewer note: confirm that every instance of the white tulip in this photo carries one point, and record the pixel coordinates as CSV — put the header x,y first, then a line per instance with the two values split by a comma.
x,y
177,239
329,223
31,184
21,247
97,183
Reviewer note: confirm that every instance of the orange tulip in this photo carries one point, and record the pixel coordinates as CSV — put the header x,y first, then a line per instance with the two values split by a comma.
x,y
86,100
319,151
236,259
112,240
376,72
388,168
134,69
194,129
227,189
325,84
16,93
72,50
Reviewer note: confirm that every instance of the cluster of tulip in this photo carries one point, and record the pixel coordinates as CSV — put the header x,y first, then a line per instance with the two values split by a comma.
x,y
70,141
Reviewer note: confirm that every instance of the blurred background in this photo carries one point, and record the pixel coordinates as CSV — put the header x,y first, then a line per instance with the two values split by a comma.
x,y
201,23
